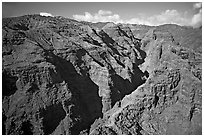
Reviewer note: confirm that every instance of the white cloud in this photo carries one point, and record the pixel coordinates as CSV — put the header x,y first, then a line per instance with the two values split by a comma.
x,y
101,16
46,14
166,17
197,5
169,17
197,19
138,21
104,12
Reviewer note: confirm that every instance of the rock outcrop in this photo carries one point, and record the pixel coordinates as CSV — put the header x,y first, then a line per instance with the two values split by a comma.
x,y
61,76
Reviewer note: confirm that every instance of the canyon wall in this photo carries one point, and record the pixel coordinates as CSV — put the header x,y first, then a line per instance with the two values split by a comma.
x,y
61,76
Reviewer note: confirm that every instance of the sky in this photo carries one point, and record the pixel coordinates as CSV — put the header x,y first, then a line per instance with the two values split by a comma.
x,y
155,13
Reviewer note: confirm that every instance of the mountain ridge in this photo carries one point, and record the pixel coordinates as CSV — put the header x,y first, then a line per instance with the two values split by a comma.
x,y
61,76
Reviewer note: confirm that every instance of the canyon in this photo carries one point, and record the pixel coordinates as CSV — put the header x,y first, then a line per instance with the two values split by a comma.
x,y
63,77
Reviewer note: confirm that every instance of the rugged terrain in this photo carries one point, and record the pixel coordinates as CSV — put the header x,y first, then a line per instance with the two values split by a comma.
x,y
61,76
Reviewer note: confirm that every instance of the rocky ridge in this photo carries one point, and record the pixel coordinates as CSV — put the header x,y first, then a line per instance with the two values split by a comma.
x,y
61,76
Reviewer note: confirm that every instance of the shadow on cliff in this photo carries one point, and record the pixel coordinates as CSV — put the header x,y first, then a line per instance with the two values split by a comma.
x,y
89,106
90,40
112,45
87,102
8,84
108,41
122,87
130,35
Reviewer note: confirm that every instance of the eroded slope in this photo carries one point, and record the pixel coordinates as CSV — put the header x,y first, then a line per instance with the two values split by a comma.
x,y
61,76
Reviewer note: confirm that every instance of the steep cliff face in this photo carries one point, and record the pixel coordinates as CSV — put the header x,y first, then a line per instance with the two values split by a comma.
x,y
61,76
169,102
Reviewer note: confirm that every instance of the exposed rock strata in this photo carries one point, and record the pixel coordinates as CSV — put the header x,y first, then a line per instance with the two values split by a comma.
x,y
61,76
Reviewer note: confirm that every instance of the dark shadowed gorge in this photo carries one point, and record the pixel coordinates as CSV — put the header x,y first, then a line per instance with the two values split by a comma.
x,y
63,77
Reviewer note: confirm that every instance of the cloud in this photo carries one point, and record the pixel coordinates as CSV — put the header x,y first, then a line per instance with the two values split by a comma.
x,y
104,12
166,17
101,16
197,5
169,16
138,21
46,14
197,19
